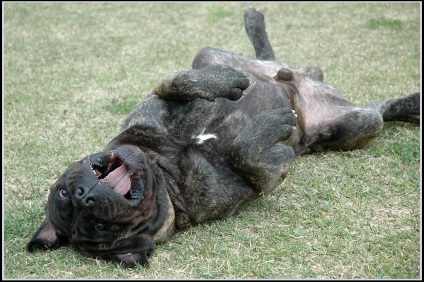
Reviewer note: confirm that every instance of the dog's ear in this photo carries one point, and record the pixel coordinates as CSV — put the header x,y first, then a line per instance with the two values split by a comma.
x,y
129,260
134,250
45,237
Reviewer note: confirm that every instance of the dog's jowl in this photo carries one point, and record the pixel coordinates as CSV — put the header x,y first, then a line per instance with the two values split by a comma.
x,y
202,144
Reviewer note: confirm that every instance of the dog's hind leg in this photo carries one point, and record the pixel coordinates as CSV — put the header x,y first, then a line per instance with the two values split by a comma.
x,y
257,153
355,128
254,23
350,128
402,108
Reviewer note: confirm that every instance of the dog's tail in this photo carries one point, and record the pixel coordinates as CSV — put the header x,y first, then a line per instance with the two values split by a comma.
x,y
254,23
405,108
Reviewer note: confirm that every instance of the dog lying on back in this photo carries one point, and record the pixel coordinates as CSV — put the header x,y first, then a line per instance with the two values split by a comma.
x,y
203,143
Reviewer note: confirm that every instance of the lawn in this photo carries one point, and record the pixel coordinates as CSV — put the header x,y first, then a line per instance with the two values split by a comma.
x,y
72,71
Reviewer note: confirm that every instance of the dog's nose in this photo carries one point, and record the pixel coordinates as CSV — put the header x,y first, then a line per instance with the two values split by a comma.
x,y
82,198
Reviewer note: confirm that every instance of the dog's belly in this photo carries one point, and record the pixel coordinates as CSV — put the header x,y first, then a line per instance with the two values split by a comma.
x,y
209,187
223,118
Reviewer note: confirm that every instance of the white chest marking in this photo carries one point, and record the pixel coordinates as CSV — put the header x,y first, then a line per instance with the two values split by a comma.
x,y
199,139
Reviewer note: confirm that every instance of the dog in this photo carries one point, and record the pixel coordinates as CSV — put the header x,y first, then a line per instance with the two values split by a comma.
x,y
202,144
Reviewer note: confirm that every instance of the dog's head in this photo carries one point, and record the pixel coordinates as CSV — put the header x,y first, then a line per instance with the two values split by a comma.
x,y
111,204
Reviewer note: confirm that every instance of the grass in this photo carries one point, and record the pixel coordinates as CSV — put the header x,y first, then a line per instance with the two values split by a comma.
x,y
72,71
383,22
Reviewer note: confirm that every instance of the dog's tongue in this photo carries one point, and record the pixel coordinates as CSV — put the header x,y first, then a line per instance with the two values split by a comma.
x,y
118,180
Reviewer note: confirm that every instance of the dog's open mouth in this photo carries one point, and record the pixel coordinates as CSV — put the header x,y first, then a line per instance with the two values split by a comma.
x,y
113,173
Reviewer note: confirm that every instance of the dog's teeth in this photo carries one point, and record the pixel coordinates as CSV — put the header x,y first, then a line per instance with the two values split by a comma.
x,y
294,127
96,172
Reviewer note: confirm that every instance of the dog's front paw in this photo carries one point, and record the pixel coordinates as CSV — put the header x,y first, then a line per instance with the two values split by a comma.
x,y
207,83
284,121
219,81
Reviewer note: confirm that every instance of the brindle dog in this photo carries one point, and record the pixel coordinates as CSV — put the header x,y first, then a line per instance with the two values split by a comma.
x,y
200,145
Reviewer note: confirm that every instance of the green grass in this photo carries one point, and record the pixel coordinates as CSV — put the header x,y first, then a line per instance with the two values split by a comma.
x,y
383,22
72,71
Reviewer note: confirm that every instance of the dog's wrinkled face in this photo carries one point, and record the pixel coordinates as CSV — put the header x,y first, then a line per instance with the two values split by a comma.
x,y
102,205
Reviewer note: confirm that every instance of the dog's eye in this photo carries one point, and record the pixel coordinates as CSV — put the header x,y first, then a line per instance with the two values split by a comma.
x,y
63,193
100,227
